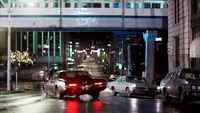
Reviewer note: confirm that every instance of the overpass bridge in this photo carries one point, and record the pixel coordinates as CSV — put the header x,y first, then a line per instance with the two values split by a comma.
x,y
85,14
35,24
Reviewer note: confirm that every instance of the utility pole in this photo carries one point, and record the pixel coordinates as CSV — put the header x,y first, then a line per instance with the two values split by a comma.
x,y
9,44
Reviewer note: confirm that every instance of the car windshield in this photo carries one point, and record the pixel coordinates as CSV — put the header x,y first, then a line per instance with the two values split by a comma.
x,y
136,80
190,74
74,73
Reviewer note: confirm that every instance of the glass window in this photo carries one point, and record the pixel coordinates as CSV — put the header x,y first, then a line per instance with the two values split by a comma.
x,y
29,4
138,5
45,5
107,3
76,3
117,4
136,80
156,5
54,3
86,5
147,5
13,3
129,4
96,5
67,3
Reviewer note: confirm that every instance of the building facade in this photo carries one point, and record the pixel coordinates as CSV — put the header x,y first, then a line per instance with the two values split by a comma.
x,y
183,33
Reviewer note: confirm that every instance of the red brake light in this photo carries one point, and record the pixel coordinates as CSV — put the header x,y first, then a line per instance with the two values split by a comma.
x,y
98,83
72,85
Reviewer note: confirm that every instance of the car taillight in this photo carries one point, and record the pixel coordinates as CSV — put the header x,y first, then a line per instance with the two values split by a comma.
x,y
98,83
72,85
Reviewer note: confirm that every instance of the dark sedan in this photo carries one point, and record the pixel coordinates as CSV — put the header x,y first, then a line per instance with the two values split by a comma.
x,y
73,83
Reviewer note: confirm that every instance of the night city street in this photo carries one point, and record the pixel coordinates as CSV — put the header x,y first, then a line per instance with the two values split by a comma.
x,y
35,102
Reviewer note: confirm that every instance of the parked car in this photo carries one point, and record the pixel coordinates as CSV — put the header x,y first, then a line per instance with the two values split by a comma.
x,y
113,77
182,84
133,86
73,83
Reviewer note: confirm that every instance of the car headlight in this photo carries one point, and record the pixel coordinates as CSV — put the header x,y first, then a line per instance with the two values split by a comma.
x,y
158,88
134,85
193,87
198,88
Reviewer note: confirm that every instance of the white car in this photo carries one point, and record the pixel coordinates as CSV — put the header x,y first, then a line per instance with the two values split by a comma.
x,y
133,86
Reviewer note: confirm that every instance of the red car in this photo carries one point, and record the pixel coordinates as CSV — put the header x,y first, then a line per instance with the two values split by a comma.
x,y
76,82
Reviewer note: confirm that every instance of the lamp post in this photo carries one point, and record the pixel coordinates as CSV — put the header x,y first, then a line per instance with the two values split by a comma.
x,y
119,60
109,63
9,44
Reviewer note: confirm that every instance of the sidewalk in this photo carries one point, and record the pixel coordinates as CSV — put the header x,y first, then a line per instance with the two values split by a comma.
x,y
20,97
22,87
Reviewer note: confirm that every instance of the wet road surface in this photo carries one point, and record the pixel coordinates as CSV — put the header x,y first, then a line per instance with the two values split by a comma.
x,y
105,104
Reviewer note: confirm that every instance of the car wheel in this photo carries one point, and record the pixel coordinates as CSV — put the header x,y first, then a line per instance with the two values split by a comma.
x,y
167,98
95,96
184,99
59,95
114,92
128,93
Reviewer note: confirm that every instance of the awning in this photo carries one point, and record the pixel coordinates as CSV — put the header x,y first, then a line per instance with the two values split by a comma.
x,y
195,48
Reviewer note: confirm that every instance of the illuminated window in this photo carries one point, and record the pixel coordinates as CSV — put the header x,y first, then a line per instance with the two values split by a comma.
x,y
129,4
54,3
45,3
29,4
13,3
117,4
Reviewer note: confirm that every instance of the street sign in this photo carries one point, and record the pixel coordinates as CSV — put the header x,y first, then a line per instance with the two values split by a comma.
x,y
150,35
151,38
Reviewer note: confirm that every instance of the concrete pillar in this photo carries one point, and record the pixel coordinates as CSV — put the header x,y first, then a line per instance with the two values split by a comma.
x,y
151,62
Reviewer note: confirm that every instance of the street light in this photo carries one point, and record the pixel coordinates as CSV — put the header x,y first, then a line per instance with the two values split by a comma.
x,y
9,44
